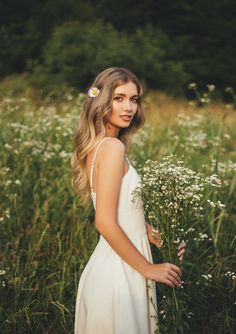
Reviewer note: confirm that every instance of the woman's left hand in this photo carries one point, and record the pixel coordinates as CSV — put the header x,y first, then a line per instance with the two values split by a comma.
x,y
181,251
154,238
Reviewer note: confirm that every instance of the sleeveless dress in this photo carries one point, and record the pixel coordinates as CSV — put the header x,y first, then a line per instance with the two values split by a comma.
x,y
114,298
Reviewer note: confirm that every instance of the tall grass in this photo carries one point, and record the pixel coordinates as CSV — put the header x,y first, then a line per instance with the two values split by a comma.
x,y
46,236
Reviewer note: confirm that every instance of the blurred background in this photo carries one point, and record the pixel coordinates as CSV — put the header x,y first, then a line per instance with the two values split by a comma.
x,y
48,43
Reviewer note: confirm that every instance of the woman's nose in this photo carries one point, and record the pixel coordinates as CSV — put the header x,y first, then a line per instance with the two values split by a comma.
x,y
128,105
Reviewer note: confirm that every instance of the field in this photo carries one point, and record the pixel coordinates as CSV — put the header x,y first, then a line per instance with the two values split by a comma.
x,y
46,236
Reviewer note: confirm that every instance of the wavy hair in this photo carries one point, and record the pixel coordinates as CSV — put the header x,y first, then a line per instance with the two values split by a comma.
x,y
92,123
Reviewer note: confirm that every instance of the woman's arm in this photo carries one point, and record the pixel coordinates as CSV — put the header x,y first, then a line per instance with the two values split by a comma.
x,y
109,176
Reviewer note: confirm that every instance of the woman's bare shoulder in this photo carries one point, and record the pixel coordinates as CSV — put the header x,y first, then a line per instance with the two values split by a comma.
x,y
112,146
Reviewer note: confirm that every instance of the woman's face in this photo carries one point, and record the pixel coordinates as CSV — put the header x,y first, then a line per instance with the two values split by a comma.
x,y
124,107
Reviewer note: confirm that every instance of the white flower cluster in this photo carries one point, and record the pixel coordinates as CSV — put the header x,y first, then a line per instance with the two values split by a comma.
x,y
230,274
37,137
213,180
162,313
191,132
189,315
207,277
225,168
174,197
2,282
202,237
186,122
217,204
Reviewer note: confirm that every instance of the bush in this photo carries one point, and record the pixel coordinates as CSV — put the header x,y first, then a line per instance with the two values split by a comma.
x,y
75,53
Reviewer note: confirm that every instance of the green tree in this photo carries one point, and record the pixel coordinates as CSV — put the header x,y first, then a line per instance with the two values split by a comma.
x,y
77,52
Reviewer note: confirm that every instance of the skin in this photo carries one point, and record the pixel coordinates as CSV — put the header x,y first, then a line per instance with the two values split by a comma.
x,y
111,157
124,103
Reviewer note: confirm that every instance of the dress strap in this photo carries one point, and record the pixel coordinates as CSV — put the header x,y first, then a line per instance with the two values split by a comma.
x,y
93,162
127,159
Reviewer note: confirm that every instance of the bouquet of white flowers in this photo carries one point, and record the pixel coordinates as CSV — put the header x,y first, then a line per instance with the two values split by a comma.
x,y
173,197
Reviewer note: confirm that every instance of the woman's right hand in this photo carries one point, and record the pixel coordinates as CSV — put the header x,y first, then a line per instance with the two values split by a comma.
x,y
166,273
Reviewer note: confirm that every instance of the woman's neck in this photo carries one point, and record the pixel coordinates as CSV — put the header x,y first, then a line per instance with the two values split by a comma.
x,y
112,131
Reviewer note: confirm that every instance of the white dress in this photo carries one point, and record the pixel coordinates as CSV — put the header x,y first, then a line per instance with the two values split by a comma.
x,y
114,298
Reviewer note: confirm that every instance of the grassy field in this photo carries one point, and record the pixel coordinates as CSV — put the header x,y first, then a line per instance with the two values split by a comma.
x,y
47,236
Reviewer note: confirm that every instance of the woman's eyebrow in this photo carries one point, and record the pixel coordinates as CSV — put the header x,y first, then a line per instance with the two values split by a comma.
x,y
122,94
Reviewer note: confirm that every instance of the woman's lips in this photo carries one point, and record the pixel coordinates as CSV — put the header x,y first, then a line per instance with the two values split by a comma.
x,y
126,118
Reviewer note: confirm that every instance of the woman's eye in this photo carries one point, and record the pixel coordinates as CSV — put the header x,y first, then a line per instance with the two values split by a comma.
x,y
118,98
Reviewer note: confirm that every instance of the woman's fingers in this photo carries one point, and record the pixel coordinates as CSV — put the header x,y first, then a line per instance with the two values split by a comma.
x,y
158,243
173,274
175,281
176,269
181,251
182,245
166,273
169,283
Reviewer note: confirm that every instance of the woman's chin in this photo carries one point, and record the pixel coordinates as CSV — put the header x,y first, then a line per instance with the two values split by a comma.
x,y
125,125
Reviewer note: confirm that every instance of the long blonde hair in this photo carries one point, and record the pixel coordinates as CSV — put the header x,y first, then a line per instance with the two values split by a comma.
x,y
92,123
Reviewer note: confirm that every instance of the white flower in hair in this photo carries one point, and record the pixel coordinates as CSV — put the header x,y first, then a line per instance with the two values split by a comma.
x,y
93,92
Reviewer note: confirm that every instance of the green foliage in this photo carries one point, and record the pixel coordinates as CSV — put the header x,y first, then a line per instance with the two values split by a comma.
x,y
76,53
200,39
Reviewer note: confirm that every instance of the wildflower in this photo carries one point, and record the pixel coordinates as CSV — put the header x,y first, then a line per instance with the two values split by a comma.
x,y
64,154
7,146
202,237
7,213
8,182
227,136
230,274
205,100
211,88
228,89
213,180
207,277
189,315
192,86
93,92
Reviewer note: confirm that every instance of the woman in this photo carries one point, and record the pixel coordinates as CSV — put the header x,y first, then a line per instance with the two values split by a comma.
x,y
116,293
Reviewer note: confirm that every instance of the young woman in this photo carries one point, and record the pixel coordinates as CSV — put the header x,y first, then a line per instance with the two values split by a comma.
x,y
116,293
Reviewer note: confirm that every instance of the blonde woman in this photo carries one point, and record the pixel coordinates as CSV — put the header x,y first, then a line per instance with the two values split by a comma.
x,y
116,293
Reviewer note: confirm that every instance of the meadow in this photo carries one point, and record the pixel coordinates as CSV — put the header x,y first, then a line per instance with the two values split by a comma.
x,y
47,236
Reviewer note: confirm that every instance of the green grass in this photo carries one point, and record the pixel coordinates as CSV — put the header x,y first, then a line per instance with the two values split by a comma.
x,y
47,236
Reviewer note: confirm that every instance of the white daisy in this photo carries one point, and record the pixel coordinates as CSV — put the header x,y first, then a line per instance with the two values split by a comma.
x,y
93,92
